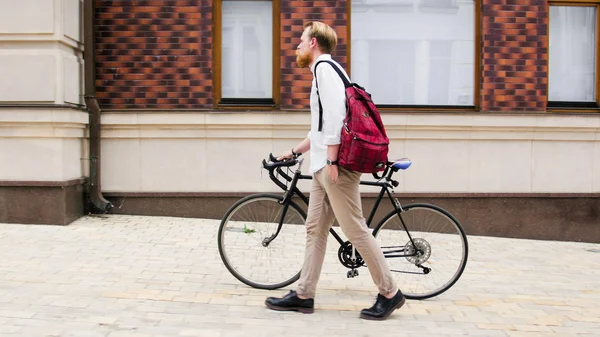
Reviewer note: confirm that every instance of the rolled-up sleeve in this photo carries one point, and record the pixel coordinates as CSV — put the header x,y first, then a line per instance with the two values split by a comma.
x,y
333,99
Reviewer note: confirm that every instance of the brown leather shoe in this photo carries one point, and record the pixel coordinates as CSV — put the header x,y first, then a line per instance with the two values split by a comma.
x,y
291,302
383,307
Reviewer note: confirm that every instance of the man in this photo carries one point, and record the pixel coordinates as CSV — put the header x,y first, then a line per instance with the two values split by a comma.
x,y
335,190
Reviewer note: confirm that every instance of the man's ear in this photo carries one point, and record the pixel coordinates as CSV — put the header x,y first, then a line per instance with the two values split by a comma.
x,y
313,42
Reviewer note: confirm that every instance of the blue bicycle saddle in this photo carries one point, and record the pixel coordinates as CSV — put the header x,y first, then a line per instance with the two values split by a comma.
x,y
402,164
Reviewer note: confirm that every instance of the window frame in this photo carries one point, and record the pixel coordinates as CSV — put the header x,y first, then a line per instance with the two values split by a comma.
x,y
567,106
245,103
477,69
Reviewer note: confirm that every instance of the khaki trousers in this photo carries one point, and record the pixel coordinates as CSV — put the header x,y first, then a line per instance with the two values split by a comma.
x,y
341,200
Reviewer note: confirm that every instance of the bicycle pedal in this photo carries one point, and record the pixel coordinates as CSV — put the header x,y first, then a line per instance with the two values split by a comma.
x,y
352,273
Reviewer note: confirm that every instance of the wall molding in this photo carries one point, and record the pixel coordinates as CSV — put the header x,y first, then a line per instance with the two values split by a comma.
x,y
18,183
43,122
367,195
268,125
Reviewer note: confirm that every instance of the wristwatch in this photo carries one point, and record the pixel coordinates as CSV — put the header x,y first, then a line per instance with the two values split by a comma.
x,y
330,162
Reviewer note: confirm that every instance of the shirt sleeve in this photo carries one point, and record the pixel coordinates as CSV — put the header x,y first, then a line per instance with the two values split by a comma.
x,y
333,99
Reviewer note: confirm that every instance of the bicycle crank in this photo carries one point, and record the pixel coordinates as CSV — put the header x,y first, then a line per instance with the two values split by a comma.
x,y
347,259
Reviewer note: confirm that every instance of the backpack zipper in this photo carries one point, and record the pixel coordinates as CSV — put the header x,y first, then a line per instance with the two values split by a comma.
x,y
355,137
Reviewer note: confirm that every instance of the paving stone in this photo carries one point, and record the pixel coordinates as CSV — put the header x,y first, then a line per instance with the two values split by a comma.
x,y
137,276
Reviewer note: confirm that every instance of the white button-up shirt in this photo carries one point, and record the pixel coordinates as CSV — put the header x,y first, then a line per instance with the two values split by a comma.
x,y
333,100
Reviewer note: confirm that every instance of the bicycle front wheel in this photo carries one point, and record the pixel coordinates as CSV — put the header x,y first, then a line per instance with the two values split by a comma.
x,y
256,249
433,260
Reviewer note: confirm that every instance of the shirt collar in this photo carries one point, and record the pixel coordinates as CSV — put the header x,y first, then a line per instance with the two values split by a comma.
x,y
321,57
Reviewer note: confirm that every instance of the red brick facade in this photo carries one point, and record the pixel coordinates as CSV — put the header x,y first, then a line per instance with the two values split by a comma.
x,y
157,54
515,55
295,82
154,54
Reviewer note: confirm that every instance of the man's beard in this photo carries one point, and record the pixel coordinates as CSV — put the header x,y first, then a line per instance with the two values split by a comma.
x,y
303,60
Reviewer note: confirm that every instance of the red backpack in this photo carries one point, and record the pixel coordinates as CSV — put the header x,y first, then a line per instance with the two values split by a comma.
x,y
364,143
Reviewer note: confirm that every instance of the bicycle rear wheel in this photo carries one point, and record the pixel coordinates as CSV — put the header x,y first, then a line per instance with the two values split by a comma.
x,y
245,228
435,258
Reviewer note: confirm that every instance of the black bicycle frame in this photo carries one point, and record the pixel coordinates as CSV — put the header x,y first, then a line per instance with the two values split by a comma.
x,y
293,190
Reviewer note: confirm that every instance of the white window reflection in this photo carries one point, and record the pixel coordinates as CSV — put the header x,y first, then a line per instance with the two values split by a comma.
x,y
247,49
572,55
414,52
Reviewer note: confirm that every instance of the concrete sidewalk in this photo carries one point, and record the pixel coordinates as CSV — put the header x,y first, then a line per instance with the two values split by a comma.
x,y
154,276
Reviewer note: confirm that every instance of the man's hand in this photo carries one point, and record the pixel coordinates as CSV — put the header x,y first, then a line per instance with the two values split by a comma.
x,y
332,155
285,155
299,149
332,170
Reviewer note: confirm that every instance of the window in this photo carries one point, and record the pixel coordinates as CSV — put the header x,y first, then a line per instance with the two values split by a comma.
x,y
246,68
572,78
412,53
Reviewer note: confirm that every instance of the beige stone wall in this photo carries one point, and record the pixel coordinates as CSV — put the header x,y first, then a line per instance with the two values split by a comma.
x,y
455,153
41,51
40,144
41,64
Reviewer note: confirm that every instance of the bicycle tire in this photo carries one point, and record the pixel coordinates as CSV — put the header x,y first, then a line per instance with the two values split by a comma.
x,y
242,250
445,250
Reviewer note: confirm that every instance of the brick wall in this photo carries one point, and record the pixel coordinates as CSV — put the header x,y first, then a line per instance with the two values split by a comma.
x,y
154,54
158,53
515,55
295,82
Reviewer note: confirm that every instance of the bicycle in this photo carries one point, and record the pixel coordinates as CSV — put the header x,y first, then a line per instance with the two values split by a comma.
x,y
261,237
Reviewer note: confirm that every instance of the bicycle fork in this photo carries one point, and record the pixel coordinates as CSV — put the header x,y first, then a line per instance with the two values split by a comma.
x,y
266,241
285,201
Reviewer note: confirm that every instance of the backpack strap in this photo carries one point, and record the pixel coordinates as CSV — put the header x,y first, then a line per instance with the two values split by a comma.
x,y
347,84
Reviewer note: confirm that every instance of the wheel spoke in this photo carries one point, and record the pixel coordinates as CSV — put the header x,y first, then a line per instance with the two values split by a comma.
x,y
241,235
438,243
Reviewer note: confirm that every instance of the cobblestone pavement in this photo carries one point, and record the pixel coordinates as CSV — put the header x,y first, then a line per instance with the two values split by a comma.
x,y
156,276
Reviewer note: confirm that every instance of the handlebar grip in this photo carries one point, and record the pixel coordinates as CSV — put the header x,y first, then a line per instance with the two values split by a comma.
x,y
278,163
273,158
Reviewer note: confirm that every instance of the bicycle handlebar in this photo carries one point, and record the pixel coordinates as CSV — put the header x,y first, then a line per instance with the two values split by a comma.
x,y
277,165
